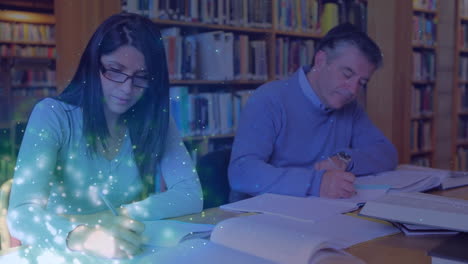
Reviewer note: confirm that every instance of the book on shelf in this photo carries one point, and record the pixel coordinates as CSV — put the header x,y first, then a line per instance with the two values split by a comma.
x,y
451,251
420,209
463,97
214,55
15,50
422,100
424,30
424,66
463,8
198,114
173,46
357,14
463,36
463,71
424,161
221,12
425,4
26,32
291,54
33,77
216,51
420,135
330,16
298,16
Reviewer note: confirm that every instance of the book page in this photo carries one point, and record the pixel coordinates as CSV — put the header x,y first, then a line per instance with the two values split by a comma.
x,y
168,233
298,208
400,180
268,236
345,230
194,251
200,251
289,241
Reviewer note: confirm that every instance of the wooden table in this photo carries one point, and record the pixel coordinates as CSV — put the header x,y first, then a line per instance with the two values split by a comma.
x,y
390,249
401,249
396,248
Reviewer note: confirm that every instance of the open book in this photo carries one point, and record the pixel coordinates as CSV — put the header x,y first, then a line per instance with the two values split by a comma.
x,y
448,179
421,209
253,239
406,178
259,239
411,178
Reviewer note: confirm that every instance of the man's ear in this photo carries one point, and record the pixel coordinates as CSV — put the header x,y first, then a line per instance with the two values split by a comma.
x,y
320,59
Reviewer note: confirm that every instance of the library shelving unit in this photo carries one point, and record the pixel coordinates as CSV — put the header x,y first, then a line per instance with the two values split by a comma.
x,y
423,90
460,102
278,42
268,36
262,29
27,55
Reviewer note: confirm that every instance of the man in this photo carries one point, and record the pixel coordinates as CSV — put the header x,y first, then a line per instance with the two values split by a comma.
x,y
307,135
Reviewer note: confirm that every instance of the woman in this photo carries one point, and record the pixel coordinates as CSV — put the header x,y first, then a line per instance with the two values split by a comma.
x,y
108,134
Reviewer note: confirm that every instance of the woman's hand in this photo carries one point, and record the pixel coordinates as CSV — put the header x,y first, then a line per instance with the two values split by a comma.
x,y
106,235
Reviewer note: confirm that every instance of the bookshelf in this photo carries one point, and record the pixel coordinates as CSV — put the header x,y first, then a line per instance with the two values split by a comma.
x,y
388,98
424,85
460,100
283,42
27,55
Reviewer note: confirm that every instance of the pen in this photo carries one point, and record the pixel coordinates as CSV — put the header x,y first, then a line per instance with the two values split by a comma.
x,y
336,167
333,163
108,204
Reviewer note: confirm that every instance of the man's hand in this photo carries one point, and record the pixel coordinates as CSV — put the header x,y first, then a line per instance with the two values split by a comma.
x,y
332,163
109,236
337,184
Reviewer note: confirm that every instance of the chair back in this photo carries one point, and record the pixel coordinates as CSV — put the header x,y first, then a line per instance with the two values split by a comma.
x,y
6,240
212,170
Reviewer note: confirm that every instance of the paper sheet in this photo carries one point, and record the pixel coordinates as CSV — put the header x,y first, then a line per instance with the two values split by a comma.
x,y
299,208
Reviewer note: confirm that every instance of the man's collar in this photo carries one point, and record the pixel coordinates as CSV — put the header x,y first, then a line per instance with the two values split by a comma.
x,y
306,88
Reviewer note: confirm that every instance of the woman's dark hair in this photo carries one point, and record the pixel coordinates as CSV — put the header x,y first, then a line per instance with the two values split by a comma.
x,y
348,34
148,119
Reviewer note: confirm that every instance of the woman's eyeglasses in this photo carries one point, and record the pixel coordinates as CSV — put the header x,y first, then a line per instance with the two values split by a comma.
x,y
120,77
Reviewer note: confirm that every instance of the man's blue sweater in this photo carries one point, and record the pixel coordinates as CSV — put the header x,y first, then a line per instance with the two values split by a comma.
x,y
285,129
